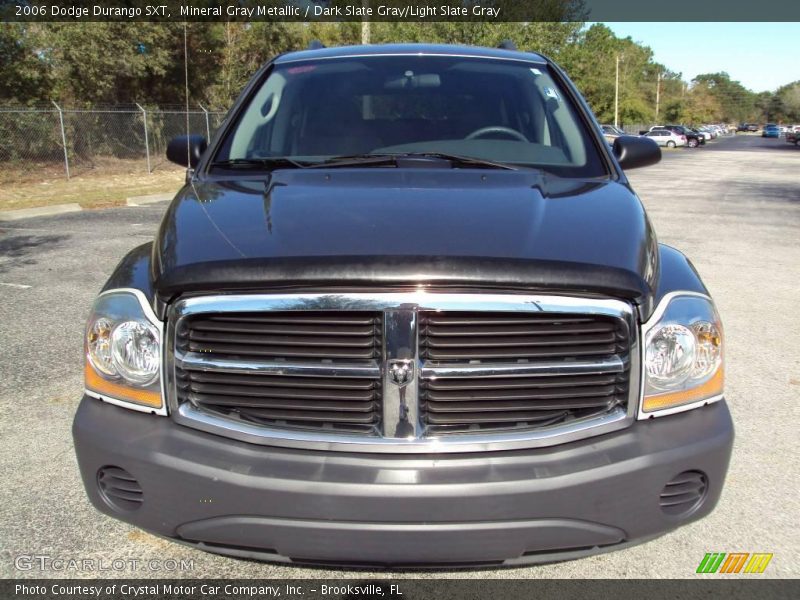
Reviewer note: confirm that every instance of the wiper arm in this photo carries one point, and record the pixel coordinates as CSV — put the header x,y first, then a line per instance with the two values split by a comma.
x,y
466,161
278,162
379,160
356,160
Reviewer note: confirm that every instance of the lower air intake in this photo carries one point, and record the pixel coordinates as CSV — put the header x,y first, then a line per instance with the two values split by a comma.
x,y
683,493
119,489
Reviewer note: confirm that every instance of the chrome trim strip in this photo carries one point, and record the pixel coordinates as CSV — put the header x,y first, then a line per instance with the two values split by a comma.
x,y
614,364
614,420
400,377
194,361
313,440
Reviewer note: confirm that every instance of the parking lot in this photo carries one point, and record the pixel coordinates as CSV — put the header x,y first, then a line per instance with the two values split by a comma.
x,y
733,207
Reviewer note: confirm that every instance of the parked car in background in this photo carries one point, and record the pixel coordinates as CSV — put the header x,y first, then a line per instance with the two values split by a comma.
x,y
611,132
793,137
707,133
771,131
693,138
666,137
753,127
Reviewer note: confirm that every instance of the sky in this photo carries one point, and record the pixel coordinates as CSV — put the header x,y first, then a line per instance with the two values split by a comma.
x,y
762,56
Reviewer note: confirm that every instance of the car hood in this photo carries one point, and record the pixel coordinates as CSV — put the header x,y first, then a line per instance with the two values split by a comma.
x,y
470,228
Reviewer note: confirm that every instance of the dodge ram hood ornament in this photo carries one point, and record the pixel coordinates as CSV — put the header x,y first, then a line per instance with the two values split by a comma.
x,y
401,372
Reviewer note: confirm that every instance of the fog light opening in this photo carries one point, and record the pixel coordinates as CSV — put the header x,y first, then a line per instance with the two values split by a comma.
x,y
119,489
684,494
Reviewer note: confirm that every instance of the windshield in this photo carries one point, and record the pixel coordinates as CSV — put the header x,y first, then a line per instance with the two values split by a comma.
x,y
502,111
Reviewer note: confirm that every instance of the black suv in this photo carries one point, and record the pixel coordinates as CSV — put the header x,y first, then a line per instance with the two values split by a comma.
x,y
407,310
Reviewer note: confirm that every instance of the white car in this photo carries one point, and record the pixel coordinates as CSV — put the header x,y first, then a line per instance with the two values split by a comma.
x,y
707,135
665,137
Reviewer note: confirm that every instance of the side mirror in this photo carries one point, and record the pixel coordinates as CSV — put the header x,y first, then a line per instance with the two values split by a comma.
x,y
633,152
186,150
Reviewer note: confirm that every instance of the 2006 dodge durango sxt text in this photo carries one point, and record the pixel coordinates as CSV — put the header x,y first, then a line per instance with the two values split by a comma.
x,y
406,311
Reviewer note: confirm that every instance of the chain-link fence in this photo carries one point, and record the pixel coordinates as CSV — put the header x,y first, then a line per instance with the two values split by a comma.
x,y
79,139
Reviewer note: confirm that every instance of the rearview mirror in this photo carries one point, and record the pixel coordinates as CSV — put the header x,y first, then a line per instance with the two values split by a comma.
x,y
633,152
186,150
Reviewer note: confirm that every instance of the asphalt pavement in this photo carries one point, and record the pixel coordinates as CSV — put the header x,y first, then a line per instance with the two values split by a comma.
x,y
733,207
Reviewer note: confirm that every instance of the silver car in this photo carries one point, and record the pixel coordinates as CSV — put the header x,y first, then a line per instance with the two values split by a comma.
x,y
665,137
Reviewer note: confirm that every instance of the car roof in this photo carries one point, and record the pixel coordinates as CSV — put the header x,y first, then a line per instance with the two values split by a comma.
x,y
410,49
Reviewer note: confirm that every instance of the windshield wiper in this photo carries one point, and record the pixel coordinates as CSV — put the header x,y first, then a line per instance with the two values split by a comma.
x,y
378,160
269,163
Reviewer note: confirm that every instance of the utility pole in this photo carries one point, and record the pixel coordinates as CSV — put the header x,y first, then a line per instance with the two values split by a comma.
x,y
658,93
365,28
616,95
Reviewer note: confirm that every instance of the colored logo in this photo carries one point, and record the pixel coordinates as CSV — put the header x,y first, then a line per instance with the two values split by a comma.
x,y
734,562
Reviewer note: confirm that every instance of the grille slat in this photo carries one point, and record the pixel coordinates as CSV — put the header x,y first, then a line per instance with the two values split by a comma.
x,y
309,335
281,403
456,404
316,393
261,339
520,329
491,336
320,352
513,405
498,354
310,416
328,383
483,319
520,341
335,319
504,417
509,383
521,394
284,328
321,343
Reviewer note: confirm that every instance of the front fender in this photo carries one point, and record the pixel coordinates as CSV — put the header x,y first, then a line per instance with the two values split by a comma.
x,y
133,272
676,274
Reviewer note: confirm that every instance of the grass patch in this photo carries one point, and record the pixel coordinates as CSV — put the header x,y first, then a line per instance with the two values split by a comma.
x,y
106,182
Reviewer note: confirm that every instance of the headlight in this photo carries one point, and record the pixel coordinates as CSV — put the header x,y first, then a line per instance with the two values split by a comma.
x,y
683,359
123,351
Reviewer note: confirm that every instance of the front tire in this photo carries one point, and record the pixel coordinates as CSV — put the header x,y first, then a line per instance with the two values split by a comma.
x,y
670,144
692,143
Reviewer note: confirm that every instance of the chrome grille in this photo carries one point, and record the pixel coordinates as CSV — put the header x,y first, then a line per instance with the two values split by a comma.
x,y
510,337
276,395
402,372
285,335
463,402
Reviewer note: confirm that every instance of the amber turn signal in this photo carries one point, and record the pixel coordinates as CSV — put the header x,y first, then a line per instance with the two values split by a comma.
x,y
712,387
103,387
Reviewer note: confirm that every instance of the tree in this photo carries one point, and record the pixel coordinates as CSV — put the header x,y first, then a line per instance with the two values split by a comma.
x,y
788,102
111,63
24,76
701,105
736,102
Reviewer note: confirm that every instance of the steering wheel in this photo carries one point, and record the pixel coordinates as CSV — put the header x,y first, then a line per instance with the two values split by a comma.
x,y
484,131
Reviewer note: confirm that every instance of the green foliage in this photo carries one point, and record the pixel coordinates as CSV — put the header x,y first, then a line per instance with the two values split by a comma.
x,y
735,103
122,63
24,77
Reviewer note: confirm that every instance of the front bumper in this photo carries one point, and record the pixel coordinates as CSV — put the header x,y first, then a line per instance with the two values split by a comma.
x,y
499,508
